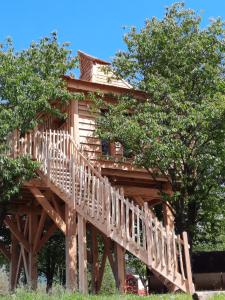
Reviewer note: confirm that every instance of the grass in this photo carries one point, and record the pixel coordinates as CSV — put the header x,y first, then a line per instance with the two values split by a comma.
x,y
21,294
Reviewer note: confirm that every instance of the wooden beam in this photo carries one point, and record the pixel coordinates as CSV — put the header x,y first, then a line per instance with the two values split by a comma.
x,y
42,200
82,252
95,264
120,267
19,266
107,244
142,192
19,236
168,216
71,249
102,269
56,206
13,262
35,182
88,86
5,251
39,229
191,287
74,126
139,200
23,254
32,256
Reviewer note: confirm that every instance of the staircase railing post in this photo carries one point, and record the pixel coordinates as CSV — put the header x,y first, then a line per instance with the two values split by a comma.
x,y
34,152
107,206
73,181
148,235
191,288
48,156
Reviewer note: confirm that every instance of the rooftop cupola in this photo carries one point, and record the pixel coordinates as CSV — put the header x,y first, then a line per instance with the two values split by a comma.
x,y
96,70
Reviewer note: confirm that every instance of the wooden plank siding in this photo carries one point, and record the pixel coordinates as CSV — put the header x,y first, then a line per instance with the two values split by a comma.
x,y
89,143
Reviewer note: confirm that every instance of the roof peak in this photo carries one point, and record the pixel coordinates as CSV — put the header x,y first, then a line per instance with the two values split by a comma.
x,y
93,58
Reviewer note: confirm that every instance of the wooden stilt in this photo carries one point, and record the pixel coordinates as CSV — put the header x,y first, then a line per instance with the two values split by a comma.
x,y
23,227
120,267
168,217
95,263
82,254
191,287
32,256
71,249
13,262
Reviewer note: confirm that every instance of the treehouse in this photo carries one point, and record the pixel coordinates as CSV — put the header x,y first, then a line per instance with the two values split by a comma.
x,y
84,184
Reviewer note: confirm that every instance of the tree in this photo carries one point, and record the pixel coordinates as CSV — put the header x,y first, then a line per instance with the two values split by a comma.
x,y
179,130
51,261
30,81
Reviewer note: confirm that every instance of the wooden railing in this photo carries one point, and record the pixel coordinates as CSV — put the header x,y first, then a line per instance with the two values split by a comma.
x,y
133,227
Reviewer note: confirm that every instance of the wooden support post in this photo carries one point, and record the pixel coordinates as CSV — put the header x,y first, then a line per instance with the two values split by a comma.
x,y
74,126
191,287
82,254
120,268
71,249
95,263
13,262
32,255
168,217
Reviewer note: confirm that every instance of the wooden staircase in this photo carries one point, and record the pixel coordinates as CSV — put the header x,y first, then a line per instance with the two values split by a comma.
x,y
72,176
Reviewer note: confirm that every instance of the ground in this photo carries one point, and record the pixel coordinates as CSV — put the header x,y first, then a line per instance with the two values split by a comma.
x,y
23,295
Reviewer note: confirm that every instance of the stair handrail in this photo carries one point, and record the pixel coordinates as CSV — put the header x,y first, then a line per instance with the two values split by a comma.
x,y
155,234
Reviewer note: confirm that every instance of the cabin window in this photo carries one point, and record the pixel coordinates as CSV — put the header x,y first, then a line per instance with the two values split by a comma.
x,y
105,147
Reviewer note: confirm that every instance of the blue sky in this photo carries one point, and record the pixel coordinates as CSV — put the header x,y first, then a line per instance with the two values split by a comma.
x,y
94,26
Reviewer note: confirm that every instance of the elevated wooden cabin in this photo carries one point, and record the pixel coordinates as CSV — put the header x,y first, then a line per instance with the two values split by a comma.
x,y
79,188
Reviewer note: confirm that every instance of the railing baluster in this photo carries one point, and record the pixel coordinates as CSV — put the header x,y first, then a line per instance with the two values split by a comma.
x,y
127,220
117,211
92,203
180,257
168,250
113,206
122,220
162,245
98,193
133,222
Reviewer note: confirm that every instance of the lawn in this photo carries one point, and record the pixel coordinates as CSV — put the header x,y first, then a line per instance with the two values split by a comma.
x,y
24,295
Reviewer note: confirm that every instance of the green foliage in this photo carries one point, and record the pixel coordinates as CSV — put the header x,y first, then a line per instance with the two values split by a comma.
x,y
51,260
179,131
25,295
13,172
108,282
30,80
137,267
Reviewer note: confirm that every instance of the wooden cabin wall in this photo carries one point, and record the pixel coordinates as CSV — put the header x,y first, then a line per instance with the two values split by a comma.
x,y
89,142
